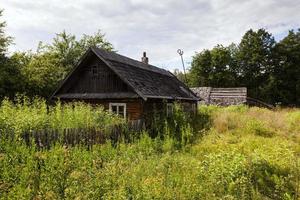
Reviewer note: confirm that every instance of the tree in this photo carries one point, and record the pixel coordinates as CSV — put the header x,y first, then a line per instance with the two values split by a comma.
x,y
5,41
221,74
10,75
46,67
254,60
285,79
201,69
41,72
68,50
212,68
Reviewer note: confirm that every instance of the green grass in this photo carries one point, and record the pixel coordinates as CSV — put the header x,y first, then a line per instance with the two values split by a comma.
x,y
242,153
27,115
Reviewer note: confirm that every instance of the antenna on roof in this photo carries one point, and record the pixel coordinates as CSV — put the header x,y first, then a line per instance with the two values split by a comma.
x,y
180,52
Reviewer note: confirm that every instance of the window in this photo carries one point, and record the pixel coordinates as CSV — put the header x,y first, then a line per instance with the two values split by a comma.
x,y
170,108
118,108
94,70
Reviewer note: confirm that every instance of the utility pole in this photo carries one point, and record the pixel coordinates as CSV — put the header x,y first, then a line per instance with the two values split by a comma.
x,y
180,52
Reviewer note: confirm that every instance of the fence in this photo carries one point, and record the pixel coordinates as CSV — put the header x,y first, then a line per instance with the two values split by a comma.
x,y
44,139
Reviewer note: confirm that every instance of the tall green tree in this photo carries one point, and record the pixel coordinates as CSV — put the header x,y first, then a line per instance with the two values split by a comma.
x,y
5,40
10,76
46,67
212,68
221,75
254,60
284,83
68,50
201,69
41,72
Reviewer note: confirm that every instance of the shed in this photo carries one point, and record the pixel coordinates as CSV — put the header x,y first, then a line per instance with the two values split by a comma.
x,y
221,96
227,97
130,88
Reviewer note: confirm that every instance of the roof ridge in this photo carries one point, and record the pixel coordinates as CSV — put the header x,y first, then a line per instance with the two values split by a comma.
x,y
148,67
169,73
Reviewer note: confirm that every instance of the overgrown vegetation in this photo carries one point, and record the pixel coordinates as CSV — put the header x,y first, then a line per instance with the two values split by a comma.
x,y
28,115
239,153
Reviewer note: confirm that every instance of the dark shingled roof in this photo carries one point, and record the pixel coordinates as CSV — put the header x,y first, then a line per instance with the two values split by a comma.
x,y
119,95
146,80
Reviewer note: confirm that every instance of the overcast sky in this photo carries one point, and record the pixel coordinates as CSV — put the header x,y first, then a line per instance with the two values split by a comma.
x,y
157,27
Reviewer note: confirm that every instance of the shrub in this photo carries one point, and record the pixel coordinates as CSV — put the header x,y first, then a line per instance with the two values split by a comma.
x,y
181,127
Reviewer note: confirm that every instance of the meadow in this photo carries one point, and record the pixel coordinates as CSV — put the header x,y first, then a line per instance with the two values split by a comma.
x,y
235,152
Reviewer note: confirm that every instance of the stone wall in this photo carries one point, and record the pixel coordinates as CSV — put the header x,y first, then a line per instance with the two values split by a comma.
x,y
203,93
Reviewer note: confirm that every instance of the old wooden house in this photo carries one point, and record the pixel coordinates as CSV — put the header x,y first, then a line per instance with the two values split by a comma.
x,y
127,87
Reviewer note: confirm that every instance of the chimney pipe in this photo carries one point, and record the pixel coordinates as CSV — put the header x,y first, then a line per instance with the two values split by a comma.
x,y
145,58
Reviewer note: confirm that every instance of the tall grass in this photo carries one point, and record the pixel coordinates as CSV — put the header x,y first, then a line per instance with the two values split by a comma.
x,y
253,168
259,121
26,115
225,153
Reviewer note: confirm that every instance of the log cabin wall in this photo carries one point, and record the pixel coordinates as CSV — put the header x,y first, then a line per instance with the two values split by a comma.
x,y
134,107
94,77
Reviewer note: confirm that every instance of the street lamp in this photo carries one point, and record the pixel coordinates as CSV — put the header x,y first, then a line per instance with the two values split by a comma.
x,y
180,52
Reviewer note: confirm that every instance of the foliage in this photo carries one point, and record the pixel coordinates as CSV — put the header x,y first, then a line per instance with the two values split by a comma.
x,y
226,163
68,50
254,60
9,73
180,126
44,69
37,73
284,82
269,69
5,41
27,115
210,68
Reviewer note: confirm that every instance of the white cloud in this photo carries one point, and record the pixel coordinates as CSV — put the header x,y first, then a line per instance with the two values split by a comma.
x,y
159,28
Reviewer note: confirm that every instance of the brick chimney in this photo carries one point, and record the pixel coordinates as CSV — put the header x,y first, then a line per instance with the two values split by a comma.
x,y
145,58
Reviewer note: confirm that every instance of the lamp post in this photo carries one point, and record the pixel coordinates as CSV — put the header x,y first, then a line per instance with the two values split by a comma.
x,y
180,52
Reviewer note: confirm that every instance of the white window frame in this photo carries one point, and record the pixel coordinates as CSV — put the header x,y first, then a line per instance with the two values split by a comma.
x,y
118,104
170,112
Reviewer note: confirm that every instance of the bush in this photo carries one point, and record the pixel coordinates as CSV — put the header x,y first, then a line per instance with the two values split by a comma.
x,y
181,127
